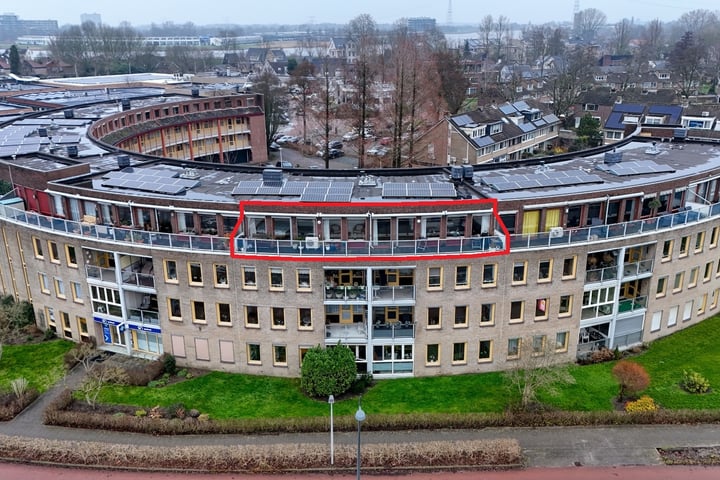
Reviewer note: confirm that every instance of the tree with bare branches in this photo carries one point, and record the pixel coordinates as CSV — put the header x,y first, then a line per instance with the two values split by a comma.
x,y
363,34
536,368
588,22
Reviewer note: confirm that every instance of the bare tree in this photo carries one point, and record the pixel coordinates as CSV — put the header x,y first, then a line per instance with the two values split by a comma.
x,y
536,368
487,24
274,102
501,28
570,76
453,83
621,37
362,32
97,378
686,60
588,22
303,77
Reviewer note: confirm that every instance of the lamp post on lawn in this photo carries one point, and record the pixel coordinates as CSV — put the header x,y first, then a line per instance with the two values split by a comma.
x,y
331,401
359,417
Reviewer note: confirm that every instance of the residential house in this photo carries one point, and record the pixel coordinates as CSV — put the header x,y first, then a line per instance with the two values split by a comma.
x,y
499,133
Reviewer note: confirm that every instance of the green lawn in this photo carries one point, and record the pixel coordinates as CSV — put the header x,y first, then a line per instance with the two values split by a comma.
x,y
225,395
40,363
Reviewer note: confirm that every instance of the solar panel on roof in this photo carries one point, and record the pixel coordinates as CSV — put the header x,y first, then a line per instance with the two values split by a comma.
x,y
463,120
639,167
482,141
507,109
629,108
521,105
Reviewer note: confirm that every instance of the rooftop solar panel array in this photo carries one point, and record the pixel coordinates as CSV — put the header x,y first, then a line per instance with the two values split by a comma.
x,y
307,191
419,190
540,180
149,180
638,167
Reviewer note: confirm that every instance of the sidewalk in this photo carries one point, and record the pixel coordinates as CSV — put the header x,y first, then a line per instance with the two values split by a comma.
x,y
542,447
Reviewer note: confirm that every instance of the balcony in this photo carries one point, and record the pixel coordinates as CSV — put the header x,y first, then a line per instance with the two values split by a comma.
x,y
146,317
345,332
138,279
599,275
626,305
392,295
394,330
101,274
637,269
364,248
569,236
346,293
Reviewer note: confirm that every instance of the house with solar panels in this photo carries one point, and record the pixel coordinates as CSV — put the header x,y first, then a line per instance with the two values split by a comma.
x,y
130,223
625,119
501,133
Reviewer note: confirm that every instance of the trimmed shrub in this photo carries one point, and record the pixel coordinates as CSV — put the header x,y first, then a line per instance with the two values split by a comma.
x,y
168,363
693,382
641,405
328,371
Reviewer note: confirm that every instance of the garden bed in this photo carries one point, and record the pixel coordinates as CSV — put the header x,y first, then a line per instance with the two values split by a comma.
x,y
691,456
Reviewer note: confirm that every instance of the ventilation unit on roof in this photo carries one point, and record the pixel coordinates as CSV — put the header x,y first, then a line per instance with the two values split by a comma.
x,y
42,132
613,157
705,114
652,150
125,102
72,151
456,172
468,173
367,181
272,176
190,173
69,113
123,161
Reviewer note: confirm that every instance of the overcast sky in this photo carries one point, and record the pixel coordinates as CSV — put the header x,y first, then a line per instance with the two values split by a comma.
x,y
300,12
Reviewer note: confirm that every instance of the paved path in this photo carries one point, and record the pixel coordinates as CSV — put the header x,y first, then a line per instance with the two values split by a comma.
x,y
542,447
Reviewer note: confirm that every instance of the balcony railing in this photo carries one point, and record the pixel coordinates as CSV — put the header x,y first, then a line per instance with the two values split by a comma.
x,y
346,293
340,248
634,269
601,274
394,330
355,248
631,304
187,241
143,316
139,279
101,274
569,236
346,332
393,294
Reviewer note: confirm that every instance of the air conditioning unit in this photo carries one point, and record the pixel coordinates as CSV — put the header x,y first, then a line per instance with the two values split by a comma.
x,y
312,243
556,232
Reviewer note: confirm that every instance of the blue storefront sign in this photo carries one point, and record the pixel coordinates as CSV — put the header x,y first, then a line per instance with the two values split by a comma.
x,y
107,338
144,328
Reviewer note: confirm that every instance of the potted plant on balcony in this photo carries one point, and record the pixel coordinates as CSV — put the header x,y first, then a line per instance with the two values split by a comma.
x,y
353,292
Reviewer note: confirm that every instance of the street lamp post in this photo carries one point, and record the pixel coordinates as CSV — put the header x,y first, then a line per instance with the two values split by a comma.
x,y
331,401
359,417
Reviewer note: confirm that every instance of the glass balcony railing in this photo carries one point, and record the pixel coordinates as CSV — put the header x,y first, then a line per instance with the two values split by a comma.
x,y
355,248
616,230
631,304
340,248
143,316
117,234
346,331
393,330
634,269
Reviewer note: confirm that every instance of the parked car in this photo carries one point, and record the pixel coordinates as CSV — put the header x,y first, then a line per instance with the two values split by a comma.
x,y
284,164
377,151
336,144
336,152
274,147
350,136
